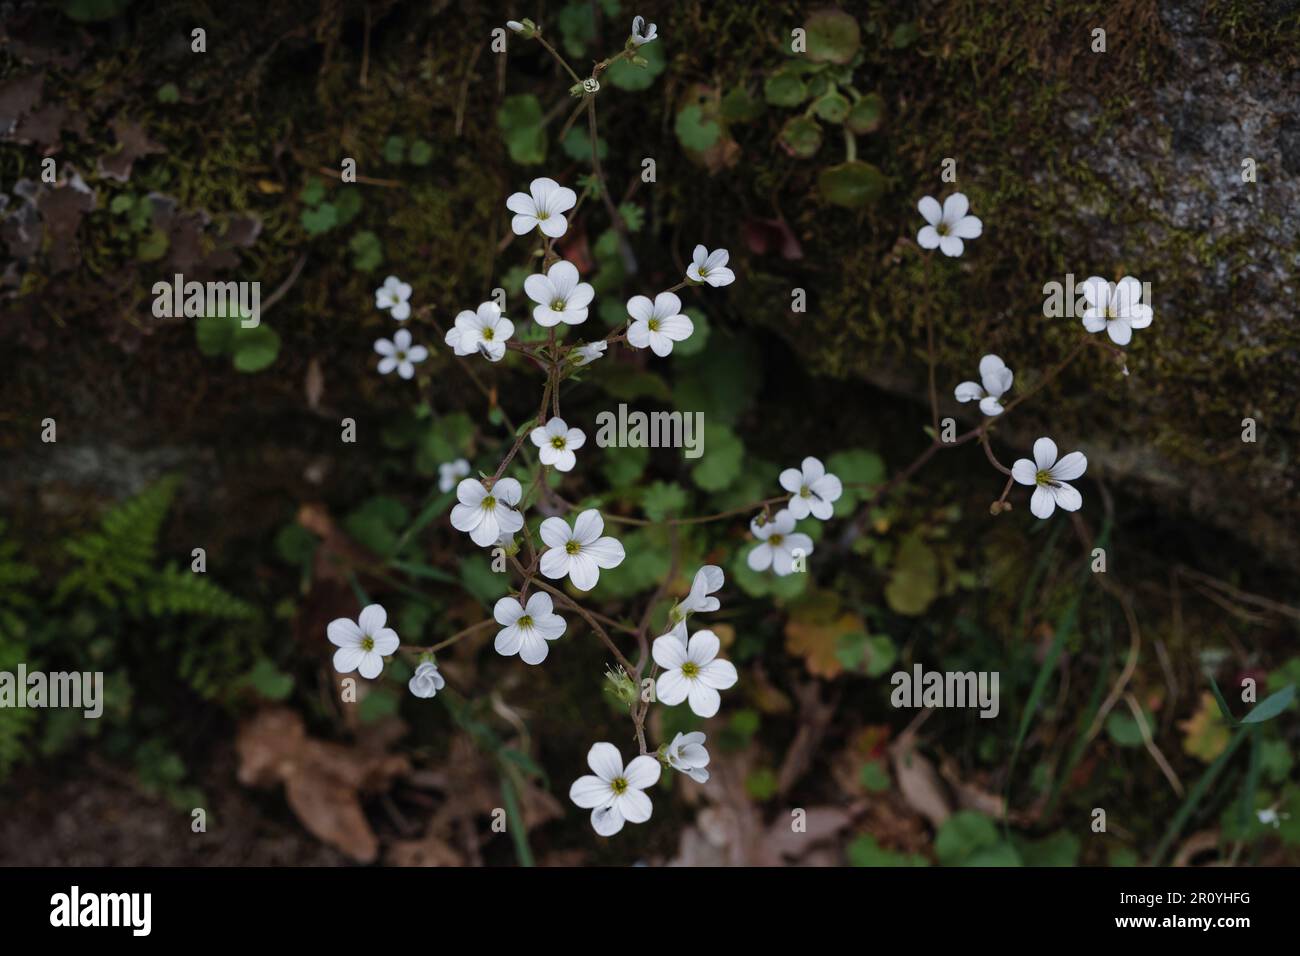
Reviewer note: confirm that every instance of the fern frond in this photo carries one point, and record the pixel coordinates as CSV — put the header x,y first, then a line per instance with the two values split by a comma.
x,y
176,591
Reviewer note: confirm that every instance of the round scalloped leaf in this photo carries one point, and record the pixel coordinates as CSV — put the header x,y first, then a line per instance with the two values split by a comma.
x,y
785,89
867,114
801,137
832,107
852,185
833,36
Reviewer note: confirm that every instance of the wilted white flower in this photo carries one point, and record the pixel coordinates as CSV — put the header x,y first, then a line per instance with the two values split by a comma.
x,y
947,225
707,580
393,296
586,354
812,490
615,794
560,297
363,644
692,671
581,552
657,324
1116,307
449,472
485,331
527,628
400,354
427,681
687,754
486,515
777,543
640,35
997,380
1048,478
557,443
710,267
542,207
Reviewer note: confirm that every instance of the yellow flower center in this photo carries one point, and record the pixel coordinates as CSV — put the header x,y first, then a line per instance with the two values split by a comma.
x,y
572,547
489,335
558,441
653,325
489,503
525,621
367,643
618,785
775,539
690,669
558,305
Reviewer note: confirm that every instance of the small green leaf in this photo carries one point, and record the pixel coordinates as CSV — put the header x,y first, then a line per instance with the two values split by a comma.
x,y
394,149
1270,706
421,153
168,93
367,253
785,89
694,130
833,37
832,107
319,220
852,184
801,137
255,348
866,114
520,119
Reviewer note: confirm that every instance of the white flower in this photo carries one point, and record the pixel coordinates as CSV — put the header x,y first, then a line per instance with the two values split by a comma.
x,y
560,297
812,490
1116,307
778,542
640,35
948,225
615,794
557,443
527,628
586,354
515,25
1049,476
485,331
394,296
362,645
997,380
400,354
449,472
657,324
579,553
710,267
692,671
707,580
686,754
543,209
427,681
486,515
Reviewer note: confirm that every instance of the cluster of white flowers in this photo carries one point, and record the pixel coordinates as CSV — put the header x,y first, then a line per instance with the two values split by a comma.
x,y
813,491
394,297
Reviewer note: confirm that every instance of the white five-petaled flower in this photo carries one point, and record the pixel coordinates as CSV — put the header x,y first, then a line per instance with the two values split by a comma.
x,y
526,628
710,267
557,443
687,754
586,354
812,490
692,671
1048,478
449,472
394,297
640,35
707,580
542,207
427,681
400,354
657,324
1116,307
947,225
485,330
362,644
487,515
580,553
777,543
615,794
560,297
997,380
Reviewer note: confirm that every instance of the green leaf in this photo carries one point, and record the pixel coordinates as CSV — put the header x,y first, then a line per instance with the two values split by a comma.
x,y
694,130
481,581
255,348
738,106
153,246
577,145
967,837
915,580
313,191
319,220
904,35
394,149
785,88
865,851
867,114
623,466
629,76
833,37
215,334
801,137
852,185
874,776
520,120
421,153
168,93
1270,706
367,253
347,205
269,681
722,458
832,107
662,500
